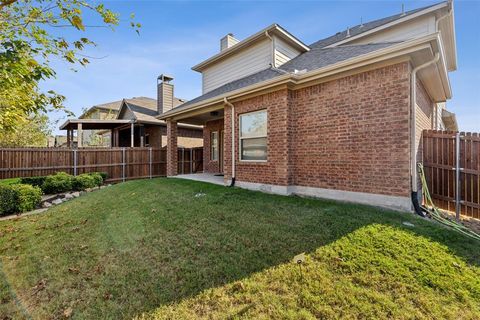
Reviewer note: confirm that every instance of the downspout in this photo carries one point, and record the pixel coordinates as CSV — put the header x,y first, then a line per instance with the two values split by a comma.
x,y
232,182
274,65
449,13
413,129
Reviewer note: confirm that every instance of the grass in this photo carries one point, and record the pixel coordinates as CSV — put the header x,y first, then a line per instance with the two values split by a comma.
x,y
156,249
9,181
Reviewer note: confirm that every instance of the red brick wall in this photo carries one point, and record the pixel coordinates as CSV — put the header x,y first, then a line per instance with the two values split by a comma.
x,y
172,155
424,113
353,133
275,169
210,165
348,134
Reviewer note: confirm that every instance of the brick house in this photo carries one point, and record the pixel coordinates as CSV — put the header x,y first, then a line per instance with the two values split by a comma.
x,y
340,118
132,122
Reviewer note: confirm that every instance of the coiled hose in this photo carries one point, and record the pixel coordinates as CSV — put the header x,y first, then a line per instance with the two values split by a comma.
x,y
436,214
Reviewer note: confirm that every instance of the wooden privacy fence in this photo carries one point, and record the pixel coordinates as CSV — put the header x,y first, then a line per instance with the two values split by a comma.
x,y
452,168
119,163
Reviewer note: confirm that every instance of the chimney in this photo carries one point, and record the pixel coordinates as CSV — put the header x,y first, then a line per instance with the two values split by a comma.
x,y
228,41
164,93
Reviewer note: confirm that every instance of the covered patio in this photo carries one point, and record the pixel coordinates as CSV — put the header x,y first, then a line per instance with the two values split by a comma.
x,y
124,132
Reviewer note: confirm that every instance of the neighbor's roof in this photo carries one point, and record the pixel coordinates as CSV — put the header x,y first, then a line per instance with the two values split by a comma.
x,y
110,106
319,56
145,109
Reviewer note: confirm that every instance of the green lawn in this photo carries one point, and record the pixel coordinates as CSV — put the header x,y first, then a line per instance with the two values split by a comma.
x,y
152,249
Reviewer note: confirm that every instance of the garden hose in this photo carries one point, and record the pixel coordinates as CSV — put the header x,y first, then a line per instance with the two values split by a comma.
x,y
436,214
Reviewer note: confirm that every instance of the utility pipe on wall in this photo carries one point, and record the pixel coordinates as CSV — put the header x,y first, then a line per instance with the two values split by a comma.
x,y
273,48
413,130
232,183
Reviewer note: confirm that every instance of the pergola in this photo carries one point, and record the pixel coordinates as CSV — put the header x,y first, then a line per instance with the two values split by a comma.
x,y
95,124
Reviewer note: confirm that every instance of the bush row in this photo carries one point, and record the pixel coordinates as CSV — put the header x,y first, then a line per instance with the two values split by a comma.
x,y
16,198
63,182
26,195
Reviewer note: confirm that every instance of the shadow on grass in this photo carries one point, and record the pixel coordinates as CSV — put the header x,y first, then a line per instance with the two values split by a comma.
x,y
133,247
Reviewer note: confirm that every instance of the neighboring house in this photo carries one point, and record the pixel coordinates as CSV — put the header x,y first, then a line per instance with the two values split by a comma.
x,y
133,122
102,111
340,118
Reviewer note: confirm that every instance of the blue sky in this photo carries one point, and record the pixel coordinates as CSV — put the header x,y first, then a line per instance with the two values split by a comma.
x,y
176,35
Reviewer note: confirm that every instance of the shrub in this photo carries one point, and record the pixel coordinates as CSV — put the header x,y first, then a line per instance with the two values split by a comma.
x,y
98,178
8,200
34,181
17,198
104,175
57,183
84,181
28,197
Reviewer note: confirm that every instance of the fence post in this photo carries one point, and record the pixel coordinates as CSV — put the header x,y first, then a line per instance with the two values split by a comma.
x,y
191,160
457,176
183,160
75,162
123,164
150,162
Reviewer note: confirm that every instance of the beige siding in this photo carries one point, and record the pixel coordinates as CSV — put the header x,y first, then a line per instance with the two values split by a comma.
x,y
165,96
244,63
419,27
424,119
284,52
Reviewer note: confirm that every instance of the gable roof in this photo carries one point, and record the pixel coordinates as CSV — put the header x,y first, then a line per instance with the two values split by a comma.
x,y
320,55
113,106
144,109
262,34
314,59
361,28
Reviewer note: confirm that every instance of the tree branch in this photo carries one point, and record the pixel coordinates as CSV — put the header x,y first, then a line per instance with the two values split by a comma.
x,y
5,3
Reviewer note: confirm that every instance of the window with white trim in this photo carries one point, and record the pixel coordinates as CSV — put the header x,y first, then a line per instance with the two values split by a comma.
x,y
253,136
214,145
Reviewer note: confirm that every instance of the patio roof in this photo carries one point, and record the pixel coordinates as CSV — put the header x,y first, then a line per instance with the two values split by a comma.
x,y
93,124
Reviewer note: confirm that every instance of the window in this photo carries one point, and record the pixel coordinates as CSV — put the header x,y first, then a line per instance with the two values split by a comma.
x,y
253,136
147,140
214,146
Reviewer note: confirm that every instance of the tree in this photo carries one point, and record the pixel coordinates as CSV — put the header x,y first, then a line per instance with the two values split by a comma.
x,y
27,45
34,132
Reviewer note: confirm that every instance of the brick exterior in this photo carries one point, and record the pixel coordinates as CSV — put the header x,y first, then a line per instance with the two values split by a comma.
x,y
172,155
348,134
211,166
424,111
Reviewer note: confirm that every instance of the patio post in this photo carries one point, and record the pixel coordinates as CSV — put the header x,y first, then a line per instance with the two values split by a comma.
x,y
79,135
172,153
132,140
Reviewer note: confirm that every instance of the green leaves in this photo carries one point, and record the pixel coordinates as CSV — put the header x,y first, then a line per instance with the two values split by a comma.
x,y
30,38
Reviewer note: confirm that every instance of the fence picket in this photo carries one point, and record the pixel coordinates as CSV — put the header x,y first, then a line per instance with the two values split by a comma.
x,y
453,170
120,164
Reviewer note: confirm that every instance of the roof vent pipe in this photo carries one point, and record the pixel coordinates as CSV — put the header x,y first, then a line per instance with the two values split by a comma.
x,y
348,32
403,10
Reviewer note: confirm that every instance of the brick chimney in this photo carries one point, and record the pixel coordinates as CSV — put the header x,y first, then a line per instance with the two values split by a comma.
x,y
164,93
228,41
